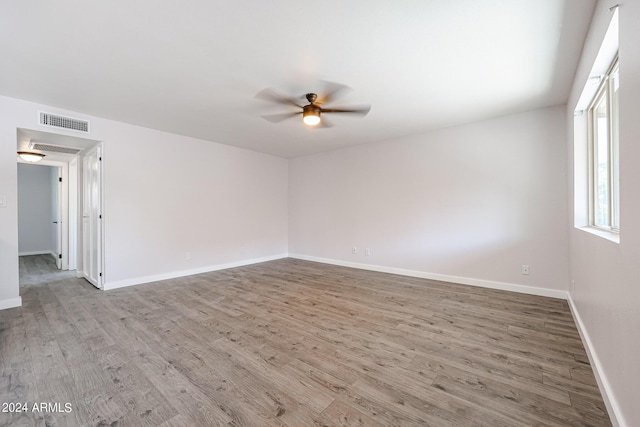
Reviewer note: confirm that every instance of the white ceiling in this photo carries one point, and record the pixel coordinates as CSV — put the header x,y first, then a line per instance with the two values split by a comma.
x,y
194,67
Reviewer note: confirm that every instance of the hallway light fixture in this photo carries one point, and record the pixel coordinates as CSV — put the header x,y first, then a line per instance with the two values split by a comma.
x,y
30,157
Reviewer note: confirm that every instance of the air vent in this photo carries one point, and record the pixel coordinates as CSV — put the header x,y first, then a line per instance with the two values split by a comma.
x,y
54,120
55,148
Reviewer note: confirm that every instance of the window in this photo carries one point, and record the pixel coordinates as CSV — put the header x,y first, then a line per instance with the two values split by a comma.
x,y
604,188
596,174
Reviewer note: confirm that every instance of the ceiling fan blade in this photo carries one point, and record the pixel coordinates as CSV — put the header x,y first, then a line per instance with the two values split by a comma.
x,y
332,91
354,110
276,118
272,96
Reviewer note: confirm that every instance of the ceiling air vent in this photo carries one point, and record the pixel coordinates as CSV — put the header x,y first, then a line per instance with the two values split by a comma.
x,y
54,148
54,120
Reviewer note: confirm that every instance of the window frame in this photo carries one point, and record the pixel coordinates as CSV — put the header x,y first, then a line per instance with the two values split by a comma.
x,y
613,153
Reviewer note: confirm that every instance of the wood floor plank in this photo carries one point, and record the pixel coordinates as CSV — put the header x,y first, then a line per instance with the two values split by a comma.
x,y
291,343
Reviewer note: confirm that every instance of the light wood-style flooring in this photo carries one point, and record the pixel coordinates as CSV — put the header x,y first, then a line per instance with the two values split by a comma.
x,y
291,343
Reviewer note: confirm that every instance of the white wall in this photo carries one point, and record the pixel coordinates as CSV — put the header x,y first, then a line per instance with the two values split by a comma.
x,y
474,202
9,296
606,297
35,209
164,195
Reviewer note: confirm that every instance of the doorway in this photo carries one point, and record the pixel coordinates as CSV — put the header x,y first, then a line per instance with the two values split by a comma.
x,y
70,163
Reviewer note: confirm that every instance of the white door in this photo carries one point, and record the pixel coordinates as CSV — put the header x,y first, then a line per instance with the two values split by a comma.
x,y
92,217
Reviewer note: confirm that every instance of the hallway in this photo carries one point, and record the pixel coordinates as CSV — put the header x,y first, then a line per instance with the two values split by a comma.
x,y
41,270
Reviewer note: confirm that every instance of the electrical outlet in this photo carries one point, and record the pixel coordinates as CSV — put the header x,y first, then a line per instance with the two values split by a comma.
x,y
525,269
367,251
354,250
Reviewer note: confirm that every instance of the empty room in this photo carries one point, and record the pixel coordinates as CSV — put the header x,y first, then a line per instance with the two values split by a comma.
x,y
340,213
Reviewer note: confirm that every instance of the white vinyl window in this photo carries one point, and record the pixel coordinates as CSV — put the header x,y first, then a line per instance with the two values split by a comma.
x,y
604,186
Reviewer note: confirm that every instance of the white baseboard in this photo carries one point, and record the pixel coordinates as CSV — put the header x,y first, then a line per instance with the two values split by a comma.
x,y
10,303
175,274
532,290
603,384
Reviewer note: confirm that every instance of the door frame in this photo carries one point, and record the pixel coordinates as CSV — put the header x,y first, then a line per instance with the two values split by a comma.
x,y
73,213
59,184
71,193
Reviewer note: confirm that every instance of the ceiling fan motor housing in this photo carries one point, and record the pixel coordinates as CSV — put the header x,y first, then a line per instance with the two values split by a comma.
x,y
310,109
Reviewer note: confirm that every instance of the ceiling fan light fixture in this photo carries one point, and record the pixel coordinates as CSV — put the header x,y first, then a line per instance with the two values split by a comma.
x,y
30,157
311,117
313,111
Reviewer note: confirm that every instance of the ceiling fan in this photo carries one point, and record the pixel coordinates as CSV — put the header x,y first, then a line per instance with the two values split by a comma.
x,y
311,112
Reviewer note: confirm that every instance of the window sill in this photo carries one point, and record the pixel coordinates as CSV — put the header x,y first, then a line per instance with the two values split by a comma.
x,y
609,235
